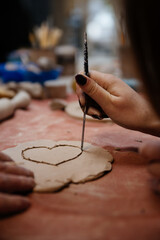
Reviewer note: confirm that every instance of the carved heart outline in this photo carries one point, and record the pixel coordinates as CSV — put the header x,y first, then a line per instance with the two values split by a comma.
x,y
50,148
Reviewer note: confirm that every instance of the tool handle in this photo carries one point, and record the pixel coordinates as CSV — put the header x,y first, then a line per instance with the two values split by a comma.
x,y
89,102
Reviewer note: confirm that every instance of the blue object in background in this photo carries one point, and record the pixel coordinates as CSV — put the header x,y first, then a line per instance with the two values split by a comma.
x,y
18,72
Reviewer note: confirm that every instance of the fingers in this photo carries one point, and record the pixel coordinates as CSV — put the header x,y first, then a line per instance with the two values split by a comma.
x,y
93,109
10,204
5,158
10,183
13,179
154,168
155,185
95,91
103,79
14,169
150,150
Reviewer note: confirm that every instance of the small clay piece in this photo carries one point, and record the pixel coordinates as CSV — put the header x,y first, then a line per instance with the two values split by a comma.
x,y
73,109
4,93
7,106
34,89
21,100
57,164
55,89
12,86
58,104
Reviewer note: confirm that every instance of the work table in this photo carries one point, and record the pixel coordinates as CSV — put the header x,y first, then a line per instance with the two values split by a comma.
x,y
119,205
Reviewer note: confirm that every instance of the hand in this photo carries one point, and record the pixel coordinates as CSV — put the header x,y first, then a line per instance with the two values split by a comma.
x,y
13,180
151,151
120,102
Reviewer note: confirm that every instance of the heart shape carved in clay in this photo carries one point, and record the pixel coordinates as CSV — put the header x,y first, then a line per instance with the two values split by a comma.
x,y
45,155
55,155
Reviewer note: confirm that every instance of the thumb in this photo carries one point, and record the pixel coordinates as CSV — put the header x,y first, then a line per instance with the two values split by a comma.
x,y
94,90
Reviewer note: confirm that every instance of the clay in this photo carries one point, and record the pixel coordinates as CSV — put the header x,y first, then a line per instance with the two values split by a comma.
x,y
55,89
70,152
73,109
21,100
12,86
92,163
7,106
5,93
58,104
34,89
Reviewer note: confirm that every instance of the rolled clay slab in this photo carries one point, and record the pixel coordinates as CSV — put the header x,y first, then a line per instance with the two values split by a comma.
x,y
57,164
73,109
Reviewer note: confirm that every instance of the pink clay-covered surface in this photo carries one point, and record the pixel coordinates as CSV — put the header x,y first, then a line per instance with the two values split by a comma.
x,y
119,205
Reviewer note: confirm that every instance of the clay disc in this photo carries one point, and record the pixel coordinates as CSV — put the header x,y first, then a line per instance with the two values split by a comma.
x,y
56,164
73,109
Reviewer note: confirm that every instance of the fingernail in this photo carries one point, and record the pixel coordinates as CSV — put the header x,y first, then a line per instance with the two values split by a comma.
x,y
96,117
30,173
105,116
80,79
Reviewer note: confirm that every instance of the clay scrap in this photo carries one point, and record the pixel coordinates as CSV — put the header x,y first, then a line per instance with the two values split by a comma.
x,y
8,106
73,109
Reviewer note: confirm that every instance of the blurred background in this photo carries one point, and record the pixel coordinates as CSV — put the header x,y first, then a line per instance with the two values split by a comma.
x,y
42,40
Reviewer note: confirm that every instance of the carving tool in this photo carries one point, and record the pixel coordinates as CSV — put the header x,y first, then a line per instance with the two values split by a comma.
x,y
89,102
86,72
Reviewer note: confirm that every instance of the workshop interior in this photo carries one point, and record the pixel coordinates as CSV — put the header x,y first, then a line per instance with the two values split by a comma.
x,y
90,179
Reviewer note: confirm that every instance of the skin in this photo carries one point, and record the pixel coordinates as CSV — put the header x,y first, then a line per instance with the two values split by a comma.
x,y
121,103
14,181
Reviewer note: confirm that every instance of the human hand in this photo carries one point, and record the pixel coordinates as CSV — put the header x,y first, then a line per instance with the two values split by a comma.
x,y
151,151
120,102
14,180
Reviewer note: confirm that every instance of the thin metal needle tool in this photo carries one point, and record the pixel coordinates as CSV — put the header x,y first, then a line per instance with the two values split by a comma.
x,y
83,128
87,74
